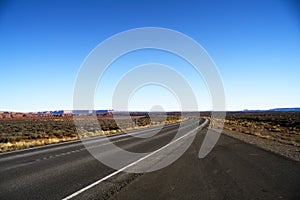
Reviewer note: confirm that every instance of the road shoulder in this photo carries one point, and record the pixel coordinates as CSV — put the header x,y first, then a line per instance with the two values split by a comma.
x,y
289,151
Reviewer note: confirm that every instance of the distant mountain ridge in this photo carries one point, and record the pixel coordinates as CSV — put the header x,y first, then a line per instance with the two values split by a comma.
x,y
276,110
58,112
61,112
285,109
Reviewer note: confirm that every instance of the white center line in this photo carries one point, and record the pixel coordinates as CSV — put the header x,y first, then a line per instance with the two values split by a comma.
x,y
137,161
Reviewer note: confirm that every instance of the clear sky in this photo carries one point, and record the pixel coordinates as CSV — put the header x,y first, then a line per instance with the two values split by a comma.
x,y
255,45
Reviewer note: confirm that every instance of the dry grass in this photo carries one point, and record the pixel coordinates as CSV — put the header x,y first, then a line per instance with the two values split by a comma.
x,y
22,134
23,144
282,127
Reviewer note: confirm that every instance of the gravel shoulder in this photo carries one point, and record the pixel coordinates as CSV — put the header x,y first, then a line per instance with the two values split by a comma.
x,y
289,151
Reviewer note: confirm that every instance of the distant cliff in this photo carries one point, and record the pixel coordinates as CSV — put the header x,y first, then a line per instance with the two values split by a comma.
x,y
275,110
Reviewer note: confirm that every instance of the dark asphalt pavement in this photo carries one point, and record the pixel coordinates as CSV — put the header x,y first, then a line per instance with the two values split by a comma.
x,y
56,171
233,170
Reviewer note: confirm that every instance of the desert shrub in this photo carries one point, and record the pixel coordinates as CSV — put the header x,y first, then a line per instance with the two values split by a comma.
x,y
58,134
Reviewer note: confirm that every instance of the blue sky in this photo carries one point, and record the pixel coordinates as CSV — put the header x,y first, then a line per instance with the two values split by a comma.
x,y
255,45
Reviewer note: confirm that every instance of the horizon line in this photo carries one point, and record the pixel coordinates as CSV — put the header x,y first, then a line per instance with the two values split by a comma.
x,y
112,110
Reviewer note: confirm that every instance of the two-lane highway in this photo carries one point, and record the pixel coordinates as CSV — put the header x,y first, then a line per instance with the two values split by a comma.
x,y
233,170
56,171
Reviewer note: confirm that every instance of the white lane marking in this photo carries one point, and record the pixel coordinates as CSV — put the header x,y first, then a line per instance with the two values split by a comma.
x,y
75,151
135,162
63,145
57,155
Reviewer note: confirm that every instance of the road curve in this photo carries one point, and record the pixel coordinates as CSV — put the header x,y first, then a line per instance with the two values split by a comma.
x,y
56,171
233,170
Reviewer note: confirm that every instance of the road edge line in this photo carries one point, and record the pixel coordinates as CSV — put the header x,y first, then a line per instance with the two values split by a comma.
x,y
133,163
134,132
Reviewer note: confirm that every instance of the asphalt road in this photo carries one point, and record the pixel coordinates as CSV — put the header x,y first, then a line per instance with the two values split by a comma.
x,y
233,170
56,171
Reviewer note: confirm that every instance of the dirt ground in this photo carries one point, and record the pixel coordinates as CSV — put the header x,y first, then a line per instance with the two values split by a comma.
x,y
278,132
37,130
274,131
